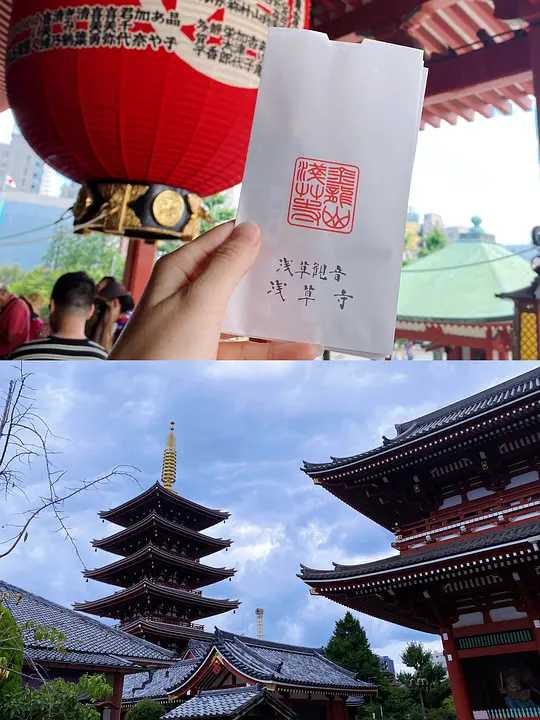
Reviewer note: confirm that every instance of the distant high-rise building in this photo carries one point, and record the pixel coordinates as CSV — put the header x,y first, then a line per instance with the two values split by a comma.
x,y
431,222
387,664
20,162
439,659
49,182
69,189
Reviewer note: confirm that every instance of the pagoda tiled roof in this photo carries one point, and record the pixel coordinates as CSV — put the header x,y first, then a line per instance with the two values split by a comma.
x,y
502,535
171,527
153,551
157,683
87,642
494,398
170,630
147,587
158,492
229,703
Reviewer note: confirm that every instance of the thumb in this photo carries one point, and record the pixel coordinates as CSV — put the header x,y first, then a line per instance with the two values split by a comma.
x,y
229,263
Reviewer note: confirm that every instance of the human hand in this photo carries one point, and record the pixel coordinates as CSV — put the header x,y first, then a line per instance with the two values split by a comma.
x,y
181,312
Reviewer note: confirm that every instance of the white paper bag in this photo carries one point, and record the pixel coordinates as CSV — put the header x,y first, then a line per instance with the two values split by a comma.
x,y
327,179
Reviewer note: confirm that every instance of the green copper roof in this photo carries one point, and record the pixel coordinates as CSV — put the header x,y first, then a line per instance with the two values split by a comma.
x,y
464,293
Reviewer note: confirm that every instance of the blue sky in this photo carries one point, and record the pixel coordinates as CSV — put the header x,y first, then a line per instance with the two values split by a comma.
x,y
243,430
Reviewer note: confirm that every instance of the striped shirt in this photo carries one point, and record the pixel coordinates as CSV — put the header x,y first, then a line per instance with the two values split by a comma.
x,y
55,348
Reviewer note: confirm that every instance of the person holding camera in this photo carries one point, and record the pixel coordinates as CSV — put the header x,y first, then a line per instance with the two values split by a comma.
x,y
72,305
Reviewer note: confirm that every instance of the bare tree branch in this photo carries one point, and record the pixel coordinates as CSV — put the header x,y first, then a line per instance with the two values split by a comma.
x,y
25,444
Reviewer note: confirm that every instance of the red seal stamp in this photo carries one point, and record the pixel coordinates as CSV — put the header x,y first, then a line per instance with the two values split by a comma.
x,y
323,195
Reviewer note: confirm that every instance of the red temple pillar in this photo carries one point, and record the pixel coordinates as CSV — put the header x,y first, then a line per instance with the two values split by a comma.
x,y
454,353
458,684
118,687
139,263
534,41
336,710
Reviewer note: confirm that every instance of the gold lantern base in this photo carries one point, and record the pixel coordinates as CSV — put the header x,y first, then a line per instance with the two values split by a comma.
x,y
155,212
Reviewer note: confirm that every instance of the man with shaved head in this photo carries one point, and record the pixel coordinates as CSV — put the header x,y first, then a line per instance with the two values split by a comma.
x,y
14,322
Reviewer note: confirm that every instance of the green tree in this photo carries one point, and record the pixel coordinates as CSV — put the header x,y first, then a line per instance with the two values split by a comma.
x,y
96,254
11,654
145,710
57,700
10,274
427,681
349,647
436,240
218,212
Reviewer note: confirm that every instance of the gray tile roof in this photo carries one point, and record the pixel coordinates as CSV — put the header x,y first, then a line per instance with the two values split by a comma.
x,y
439,551
157,683
216,703
87,641
522,386
230,703
261,660
287,664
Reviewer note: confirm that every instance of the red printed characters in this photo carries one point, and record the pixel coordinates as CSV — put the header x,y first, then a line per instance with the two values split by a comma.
x,y
323,195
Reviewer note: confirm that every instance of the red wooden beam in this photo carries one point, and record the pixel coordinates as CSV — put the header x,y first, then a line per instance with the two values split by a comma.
x,y
479,67
371,18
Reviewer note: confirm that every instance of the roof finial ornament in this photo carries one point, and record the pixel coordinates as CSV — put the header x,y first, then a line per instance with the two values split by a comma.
x,y
168,469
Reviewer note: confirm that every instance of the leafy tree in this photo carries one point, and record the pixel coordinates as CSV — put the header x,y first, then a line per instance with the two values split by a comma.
x,y
436,240
57,700
218,212
10,274
145,710
427,682
11,654
349,647
96,254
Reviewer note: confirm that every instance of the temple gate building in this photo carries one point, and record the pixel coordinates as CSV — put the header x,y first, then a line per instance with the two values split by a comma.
x,y
224,670
160,570
460,489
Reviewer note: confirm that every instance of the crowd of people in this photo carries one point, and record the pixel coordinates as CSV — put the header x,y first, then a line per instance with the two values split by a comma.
x,y
83,321
180,315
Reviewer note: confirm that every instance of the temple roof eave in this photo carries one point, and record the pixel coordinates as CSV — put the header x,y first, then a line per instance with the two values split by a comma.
x,y
526,386
514,536
145,587
456,320
107,542
150,550
157,488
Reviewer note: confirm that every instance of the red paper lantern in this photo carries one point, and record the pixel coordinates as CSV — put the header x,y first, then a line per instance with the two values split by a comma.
x,y
152,92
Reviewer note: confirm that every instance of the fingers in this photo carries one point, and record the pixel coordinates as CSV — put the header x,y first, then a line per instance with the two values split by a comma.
x,y
182,266
249,350
228,264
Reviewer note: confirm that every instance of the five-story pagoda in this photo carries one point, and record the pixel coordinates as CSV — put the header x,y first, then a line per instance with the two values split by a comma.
x,y
160,570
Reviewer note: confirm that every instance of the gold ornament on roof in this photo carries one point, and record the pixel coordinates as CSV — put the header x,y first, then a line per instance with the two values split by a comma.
x,y
168,469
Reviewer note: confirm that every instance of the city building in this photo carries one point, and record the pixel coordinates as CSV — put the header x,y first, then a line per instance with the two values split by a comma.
x,y
387,664
19,162
26,226
160,572
460,489
431,222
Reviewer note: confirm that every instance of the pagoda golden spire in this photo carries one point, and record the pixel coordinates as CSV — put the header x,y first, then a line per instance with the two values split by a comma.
x,y
168,469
